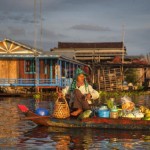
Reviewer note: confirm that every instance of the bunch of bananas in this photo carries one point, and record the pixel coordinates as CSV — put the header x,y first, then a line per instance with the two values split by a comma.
x,y
146,112
128,106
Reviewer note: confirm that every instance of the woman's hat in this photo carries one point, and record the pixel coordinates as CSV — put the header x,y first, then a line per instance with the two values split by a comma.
x,y
79,71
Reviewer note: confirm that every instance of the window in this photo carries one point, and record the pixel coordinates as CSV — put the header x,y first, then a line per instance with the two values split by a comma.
x,y
63,68
71,70
30,66
67,70
54,72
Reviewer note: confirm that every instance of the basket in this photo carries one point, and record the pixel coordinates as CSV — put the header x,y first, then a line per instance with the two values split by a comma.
x,y
61,109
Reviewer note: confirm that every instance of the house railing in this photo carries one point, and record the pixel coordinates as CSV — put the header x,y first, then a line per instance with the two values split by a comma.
x,y
36,82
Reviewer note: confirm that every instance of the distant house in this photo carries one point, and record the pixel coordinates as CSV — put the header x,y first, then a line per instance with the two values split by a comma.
x,y
107,60
24,66
92,52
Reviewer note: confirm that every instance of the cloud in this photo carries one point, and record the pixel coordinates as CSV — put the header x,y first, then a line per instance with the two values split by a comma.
x,y
87,20
46,35
20,18
90,27
17,31
52,34
17,6
12,32
20,11
43,45
137,39
29,5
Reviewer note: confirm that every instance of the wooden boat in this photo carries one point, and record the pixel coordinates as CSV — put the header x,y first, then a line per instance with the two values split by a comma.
x,y
95,122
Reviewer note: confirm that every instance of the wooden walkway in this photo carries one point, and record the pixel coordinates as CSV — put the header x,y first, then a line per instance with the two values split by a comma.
x,y
14,95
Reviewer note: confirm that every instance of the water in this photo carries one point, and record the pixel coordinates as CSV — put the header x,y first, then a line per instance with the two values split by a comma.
x,y
18,133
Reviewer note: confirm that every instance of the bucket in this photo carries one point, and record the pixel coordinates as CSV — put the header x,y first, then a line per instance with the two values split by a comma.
x,y
42,112
103,113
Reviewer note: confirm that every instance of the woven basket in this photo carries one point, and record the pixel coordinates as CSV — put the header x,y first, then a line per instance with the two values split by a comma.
x,y
61,109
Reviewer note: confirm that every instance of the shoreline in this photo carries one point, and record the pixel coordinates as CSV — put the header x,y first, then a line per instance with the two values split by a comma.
x,y
52,93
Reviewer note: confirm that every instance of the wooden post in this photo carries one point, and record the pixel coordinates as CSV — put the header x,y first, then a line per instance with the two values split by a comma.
x,y
51,70
57,89
99,79
36,77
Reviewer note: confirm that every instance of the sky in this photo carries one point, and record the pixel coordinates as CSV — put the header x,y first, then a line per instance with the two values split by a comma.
x,y
77,21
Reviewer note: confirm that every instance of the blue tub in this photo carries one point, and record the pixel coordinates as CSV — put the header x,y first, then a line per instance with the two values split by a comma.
x,y
103,113
42,112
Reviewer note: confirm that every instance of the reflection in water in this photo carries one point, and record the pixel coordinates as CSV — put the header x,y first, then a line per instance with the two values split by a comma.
x,y
11,127
8,120
65,138
23,134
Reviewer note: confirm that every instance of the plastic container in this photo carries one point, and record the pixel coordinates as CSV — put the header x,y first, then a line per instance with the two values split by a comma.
x,y
114,114
103,113
42,112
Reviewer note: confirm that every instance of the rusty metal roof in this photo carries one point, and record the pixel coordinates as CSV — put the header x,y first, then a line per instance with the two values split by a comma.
x,y
90,45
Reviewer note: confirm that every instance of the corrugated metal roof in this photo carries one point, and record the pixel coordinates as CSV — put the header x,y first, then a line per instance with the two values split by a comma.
x,y
44,55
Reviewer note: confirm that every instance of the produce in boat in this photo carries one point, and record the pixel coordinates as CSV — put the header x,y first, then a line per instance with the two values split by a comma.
x,y
93,122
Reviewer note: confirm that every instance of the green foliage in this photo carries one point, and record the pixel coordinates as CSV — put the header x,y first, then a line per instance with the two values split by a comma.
x,y
53,95
37,96
140,87
131,75
107,95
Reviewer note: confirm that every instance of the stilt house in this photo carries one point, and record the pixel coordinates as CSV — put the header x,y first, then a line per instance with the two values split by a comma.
x,y
26,67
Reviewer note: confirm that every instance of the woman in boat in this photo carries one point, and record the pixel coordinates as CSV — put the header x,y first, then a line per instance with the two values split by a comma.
x,y
79,92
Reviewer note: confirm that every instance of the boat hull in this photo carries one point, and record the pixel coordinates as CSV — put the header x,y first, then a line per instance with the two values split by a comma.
x,y
95,122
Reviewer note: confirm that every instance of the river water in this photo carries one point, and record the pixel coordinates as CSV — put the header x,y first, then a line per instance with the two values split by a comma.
x,y
18,133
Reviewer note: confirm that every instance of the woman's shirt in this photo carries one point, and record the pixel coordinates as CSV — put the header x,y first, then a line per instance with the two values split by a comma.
x,y
84,91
